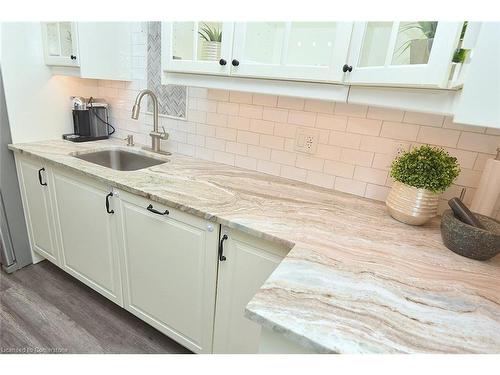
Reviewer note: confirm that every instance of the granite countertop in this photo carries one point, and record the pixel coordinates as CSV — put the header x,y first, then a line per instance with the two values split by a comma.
x,y
355,280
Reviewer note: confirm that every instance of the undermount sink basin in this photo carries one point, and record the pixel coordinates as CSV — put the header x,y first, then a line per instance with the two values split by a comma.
x,y
120,160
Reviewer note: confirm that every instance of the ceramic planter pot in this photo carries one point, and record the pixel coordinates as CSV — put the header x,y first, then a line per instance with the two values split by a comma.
x,y
411,205
210,51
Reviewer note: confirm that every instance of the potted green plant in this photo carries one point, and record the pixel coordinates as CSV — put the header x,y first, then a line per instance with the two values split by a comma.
x,y
212,38
420,176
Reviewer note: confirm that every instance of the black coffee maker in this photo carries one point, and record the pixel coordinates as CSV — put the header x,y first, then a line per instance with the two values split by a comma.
x,y
90,120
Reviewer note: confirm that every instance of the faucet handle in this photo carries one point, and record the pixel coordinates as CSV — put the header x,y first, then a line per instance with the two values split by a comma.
x,y
165,134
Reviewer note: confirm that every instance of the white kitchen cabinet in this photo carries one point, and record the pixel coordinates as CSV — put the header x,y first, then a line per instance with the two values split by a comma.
x,y
86,233
185,48
60,43
402,53
479,102
95,50
169,264
34,183
308,51
248,262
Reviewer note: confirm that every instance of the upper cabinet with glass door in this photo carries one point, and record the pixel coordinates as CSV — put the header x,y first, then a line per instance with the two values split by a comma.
x,y
60,43
306,51
402,53
197,47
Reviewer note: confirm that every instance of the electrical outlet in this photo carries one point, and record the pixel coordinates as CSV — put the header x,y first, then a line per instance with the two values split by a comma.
x,y
306,140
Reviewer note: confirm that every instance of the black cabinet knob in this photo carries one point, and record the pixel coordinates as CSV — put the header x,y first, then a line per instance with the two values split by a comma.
x,y
235,62
73,57
347,68
222,62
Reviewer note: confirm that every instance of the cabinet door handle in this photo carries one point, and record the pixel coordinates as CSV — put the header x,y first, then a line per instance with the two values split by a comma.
x,y
235,62
73,57
40,177
151,209
107,204
222,62
222,257
347,68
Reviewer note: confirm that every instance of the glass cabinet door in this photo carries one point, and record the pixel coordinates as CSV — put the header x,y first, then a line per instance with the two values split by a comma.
x,y
197,47
291,50
60,43
402,53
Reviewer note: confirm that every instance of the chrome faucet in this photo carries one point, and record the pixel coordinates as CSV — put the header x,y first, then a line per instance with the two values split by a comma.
x,y
156,136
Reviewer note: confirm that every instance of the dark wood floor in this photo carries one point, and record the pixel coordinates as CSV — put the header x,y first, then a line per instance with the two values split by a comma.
x,y
43,309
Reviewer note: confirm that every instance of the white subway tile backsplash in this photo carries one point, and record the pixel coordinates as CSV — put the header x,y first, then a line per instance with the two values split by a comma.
x,y
424,119
338,168
466,159
385,114
226,133
286,130
353,110
328,152
302,118
479,142
320,179
321,106
262,126
291,103
347,185
372,175
449,124
331,122
356,157
228,108
438,136
245,162
259,152
224,157
364,126
247,137
344,139
293,173
215,143
377,192
220,95
284,157
236,148
468,177
237,122
240,97
272,141
197,92
265,100
310,163
216,119
355,143
275,114
251,111
268,167
399,130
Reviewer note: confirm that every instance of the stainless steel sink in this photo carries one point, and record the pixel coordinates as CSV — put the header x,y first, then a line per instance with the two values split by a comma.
x,y
120,160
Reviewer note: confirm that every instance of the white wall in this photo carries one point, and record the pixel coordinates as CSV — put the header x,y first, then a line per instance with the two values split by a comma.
x,y
38,104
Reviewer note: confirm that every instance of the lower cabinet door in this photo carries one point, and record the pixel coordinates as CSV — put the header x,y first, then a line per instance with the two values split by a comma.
x,y
34,184
86,232
249,261
169,263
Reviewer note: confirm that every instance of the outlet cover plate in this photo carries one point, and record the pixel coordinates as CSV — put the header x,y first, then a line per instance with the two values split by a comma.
x,y
306,140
